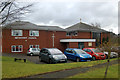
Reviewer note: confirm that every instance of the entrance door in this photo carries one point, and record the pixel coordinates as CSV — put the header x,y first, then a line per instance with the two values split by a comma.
x,y
81,45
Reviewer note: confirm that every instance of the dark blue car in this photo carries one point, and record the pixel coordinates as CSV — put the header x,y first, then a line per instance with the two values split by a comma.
x,y
77,55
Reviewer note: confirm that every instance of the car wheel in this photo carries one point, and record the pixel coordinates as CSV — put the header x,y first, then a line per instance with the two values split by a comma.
x,y
50,61
77,59
31,54
40,59
93,58
106,56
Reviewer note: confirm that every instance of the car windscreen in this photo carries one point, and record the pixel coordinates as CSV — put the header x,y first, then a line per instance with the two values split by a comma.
x,y
96,50
35,49
55,51
80,51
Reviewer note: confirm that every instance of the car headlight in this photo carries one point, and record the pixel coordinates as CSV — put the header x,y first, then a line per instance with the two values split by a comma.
x,y
65,57
97,54
90,56
82,56
55,57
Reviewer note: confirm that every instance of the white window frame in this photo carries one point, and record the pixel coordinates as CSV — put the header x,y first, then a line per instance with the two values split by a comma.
x,y
18,47
67,33
30,46
12,33
75,33
33,31
36,46
89,44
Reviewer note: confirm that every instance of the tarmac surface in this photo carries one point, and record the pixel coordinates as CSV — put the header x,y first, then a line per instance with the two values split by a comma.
x,y
33,59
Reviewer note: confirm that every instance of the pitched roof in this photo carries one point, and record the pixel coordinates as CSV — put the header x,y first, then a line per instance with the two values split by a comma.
x,y
54,28
29,26
84,27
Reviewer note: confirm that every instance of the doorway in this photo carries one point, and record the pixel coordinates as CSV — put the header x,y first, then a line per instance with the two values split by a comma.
x,y
81,45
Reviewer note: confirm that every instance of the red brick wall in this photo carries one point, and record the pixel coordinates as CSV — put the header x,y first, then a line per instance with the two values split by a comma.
x,y
73,45
44,40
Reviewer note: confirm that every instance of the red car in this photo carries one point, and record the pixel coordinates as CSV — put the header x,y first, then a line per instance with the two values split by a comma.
x,y
95,53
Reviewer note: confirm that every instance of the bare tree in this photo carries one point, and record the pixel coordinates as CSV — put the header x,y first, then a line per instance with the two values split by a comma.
x,y
96,25
10,10
109,46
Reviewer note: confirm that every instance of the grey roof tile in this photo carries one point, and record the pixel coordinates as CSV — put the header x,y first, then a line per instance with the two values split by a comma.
x,y
29,26
84,27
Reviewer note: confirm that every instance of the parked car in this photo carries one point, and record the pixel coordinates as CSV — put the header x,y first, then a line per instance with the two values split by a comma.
x,y
52,55
77,55
112,55
95,53
33,51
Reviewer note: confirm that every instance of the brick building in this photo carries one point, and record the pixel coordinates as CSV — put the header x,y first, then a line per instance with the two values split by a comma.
x,y
18,36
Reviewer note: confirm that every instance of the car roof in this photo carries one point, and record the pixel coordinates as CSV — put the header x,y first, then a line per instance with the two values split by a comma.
x,y
49,48
88,48
73,48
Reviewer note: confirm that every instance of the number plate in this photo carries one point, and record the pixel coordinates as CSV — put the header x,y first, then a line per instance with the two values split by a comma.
x,y
88,60
62,60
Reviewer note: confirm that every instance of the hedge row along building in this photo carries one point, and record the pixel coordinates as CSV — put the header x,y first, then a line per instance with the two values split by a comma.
x,y
18,36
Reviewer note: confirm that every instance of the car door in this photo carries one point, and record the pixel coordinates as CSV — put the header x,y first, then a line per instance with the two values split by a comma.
x,y
71,54
43,54
34,51
90,52
37,51
87,51
46,55
67,53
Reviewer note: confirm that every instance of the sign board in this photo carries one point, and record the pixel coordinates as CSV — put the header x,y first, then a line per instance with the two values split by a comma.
x,y
25,38
90,44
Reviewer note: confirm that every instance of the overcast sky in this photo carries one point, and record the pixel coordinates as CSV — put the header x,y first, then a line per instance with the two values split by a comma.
x,y
67,13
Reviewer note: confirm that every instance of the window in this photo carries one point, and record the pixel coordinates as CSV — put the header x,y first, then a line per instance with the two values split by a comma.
x,y
72,33
86,50
34,49
16,32
69,51
33,33
17,48
36,46
75,33
33,46
55,51
89,50
90,44
44,51
68,33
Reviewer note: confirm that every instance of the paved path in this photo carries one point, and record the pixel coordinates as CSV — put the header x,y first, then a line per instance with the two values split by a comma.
x,y
34,59
70,72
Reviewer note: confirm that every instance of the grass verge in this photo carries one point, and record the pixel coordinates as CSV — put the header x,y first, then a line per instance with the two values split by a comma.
x,y
11,69
99,73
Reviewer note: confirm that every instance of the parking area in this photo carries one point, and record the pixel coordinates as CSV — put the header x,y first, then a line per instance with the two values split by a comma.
x,y
34,59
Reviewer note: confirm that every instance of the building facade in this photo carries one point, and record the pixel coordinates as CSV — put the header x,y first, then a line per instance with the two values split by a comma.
x,y
19,36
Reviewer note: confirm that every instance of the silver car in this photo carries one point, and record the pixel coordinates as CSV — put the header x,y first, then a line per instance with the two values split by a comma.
x,y
33,51
112,54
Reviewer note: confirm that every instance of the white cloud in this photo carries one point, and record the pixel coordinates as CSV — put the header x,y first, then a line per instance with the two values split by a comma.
x,y
64,13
